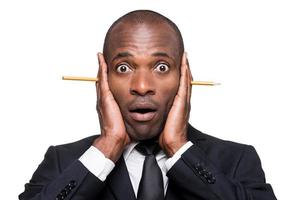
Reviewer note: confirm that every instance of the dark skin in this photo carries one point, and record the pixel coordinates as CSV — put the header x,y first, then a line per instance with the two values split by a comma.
x,y
142,69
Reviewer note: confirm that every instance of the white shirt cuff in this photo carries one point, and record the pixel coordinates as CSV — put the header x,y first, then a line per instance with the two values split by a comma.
x,y
95,161
171,161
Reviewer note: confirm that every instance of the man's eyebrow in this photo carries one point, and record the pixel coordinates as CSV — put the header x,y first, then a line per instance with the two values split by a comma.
x,y
122,55
163,54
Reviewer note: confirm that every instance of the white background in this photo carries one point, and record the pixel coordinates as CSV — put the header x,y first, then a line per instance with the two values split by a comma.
x,y
251,47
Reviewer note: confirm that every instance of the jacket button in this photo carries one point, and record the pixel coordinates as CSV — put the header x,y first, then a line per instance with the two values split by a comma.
x,y
64,192
199,167
73,183
211,180
59,197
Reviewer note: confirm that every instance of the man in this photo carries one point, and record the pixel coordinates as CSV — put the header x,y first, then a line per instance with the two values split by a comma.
x,y
143,103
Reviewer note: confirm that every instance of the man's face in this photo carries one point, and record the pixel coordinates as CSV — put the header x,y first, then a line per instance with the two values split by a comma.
x,y
143,75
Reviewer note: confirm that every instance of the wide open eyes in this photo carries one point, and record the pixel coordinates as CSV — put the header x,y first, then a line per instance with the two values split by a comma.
x,y
123,68
162,68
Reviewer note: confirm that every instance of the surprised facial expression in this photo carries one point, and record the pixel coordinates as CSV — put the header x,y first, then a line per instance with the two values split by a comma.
x,y
143,75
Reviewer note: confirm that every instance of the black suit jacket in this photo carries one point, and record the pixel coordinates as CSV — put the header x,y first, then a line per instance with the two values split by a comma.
x,y
210,169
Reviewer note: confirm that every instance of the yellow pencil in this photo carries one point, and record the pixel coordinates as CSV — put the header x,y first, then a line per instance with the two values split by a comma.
x,y
77,78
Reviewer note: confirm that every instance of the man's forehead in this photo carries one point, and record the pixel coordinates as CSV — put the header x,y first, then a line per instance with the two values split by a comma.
x,y
155,40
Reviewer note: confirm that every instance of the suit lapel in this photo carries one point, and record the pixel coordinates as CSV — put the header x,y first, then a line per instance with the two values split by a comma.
x,y
119,181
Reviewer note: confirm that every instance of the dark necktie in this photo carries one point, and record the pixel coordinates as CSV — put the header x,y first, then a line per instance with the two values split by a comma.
x,y
151,184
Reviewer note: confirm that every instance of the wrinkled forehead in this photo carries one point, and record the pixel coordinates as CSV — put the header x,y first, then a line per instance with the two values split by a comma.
x,y
144,39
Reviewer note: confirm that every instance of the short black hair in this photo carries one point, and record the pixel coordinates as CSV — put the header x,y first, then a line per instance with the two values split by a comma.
x,y
141,17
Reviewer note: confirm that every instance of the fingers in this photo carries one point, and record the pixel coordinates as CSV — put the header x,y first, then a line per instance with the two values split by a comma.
x,y
190,79
102,89
183,86
102,83
101,86
98,77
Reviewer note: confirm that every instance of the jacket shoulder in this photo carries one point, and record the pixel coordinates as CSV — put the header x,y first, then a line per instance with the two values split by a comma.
x,y
79,143
225,155
70,151
196,136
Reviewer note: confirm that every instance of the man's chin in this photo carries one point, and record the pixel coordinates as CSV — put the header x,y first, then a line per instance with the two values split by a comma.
x,y
143,132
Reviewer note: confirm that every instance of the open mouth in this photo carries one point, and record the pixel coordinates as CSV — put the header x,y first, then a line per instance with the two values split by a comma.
x,y
143,110
142,114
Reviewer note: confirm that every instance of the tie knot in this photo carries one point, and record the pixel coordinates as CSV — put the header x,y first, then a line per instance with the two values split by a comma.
x,y
148,148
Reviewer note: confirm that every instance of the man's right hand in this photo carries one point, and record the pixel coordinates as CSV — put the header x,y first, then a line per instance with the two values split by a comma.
x,y
113,138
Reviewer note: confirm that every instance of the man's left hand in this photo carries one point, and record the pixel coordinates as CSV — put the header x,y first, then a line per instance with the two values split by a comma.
x,y
174,134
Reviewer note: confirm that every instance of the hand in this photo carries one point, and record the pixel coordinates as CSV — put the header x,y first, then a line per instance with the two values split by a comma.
x,y
114,137
174,134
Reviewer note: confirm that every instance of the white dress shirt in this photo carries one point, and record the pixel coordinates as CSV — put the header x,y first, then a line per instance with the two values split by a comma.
x,y
95,161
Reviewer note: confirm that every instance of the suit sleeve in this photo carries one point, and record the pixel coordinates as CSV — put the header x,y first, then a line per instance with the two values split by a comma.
x,y
50,182
198,178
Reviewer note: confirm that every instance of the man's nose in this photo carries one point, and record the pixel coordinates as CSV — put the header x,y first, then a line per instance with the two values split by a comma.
x,y
142,84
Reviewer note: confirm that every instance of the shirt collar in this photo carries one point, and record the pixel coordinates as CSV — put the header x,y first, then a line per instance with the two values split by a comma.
x,y
129,149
